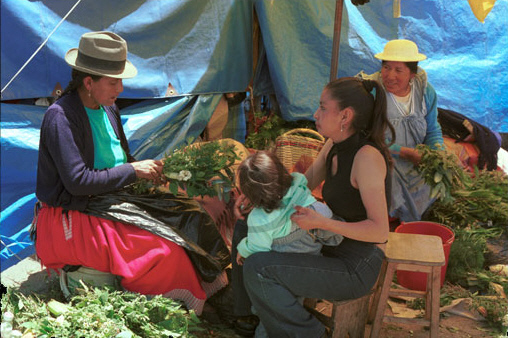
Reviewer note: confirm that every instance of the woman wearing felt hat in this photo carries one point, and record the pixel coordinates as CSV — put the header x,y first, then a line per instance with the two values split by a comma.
x,y
412,110
84,152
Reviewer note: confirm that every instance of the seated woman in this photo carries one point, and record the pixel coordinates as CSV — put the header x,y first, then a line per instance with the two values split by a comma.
x,y
412,110
355,167
83,153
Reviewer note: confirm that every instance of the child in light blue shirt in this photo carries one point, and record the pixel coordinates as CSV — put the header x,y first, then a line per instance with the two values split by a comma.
x,y
274,193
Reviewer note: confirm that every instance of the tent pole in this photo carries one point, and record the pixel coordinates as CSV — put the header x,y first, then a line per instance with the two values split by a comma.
x,y
336,38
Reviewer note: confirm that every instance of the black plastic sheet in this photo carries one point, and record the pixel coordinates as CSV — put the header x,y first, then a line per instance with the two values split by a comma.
x,y
177,218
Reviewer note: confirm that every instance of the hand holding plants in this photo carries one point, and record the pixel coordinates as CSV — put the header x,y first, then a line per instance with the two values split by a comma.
x,y
196,169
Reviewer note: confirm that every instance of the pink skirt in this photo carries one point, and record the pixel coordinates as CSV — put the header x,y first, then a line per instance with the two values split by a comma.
x,y
147,263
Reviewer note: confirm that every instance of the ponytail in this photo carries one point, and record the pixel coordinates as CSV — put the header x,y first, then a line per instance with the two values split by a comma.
x,y
379,119
370,109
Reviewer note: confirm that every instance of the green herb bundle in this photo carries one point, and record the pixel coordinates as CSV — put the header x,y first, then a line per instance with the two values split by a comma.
x,y
442,171
467,254
199,169
193,168
463,198
266,128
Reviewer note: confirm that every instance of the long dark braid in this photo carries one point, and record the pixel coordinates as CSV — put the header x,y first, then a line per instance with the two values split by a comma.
x,y
371,117
76,81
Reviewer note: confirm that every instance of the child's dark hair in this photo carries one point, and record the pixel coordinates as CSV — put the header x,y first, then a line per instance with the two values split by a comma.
x,y
264,180
76,81
370,117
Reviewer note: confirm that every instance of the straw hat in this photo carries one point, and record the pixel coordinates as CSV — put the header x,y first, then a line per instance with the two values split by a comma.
x,y
101,53
401,50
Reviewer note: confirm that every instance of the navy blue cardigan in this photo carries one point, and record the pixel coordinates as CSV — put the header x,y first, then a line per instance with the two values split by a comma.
x,y
65,174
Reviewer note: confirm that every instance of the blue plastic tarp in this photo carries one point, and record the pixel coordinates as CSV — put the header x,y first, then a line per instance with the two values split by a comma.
x,y
205,49
197,46
467,61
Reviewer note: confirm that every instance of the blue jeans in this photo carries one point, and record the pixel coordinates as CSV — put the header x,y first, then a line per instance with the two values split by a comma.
x,y
274,281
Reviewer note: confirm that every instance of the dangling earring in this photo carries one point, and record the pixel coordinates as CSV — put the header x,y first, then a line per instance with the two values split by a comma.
x,y
89,94
341,127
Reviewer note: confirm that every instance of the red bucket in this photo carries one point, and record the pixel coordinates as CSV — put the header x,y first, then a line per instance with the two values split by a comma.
x,y
418,280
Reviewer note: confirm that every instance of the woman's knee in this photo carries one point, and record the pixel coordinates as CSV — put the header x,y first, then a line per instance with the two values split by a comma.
x,y
253,266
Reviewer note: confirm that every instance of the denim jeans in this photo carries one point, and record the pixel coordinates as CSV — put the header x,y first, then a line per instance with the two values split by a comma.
x,y
274,282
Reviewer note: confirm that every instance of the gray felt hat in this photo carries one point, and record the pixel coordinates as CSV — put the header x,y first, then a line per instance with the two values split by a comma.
x,y
101,53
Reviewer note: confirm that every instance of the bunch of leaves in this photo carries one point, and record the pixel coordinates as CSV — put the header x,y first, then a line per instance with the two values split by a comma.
x,y
486,197
467,254
101,313
267,127
201,164
463,198
265,130
441,170
206,162
483,201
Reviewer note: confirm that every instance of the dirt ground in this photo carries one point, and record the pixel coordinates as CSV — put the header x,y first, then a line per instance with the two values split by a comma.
x,y
450,326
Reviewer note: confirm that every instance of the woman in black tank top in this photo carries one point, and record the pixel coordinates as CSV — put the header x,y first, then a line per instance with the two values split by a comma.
x,y
355,167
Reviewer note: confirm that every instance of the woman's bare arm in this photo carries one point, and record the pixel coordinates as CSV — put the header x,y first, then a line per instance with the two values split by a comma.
x,y
368,175
317,171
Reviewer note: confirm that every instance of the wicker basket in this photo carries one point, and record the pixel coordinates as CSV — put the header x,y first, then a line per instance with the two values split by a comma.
x,y
291,146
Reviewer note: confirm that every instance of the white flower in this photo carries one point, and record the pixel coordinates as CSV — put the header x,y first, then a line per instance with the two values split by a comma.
x,y
184,175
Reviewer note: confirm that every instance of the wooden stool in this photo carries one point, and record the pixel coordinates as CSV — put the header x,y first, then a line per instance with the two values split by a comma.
x,y
410,252
348,317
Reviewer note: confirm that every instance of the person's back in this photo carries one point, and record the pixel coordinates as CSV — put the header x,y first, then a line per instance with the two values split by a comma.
x,y
274,193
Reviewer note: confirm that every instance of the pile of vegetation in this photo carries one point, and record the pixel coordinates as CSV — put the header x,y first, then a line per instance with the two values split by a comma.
x,y
475,205
99,312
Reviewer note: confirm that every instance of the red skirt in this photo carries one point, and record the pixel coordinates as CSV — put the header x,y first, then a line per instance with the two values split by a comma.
x,y
147,263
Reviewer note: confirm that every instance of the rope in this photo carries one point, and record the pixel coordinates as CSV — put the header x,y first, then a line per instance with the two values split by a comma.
x,y
42,45
12,252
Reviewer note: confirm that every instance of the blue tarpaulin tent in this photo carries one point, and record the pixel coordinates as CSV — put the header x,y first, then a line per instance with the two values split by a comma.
x,y
189,53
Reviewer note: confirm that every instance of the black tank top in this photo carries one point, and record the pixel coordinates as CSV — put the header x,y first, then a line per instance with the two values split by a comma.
x,y
338,193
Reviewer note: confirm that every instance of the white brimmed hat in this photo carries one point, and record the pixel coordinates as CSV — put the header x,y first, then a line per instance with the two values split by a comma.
x,y
400,50
101,53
